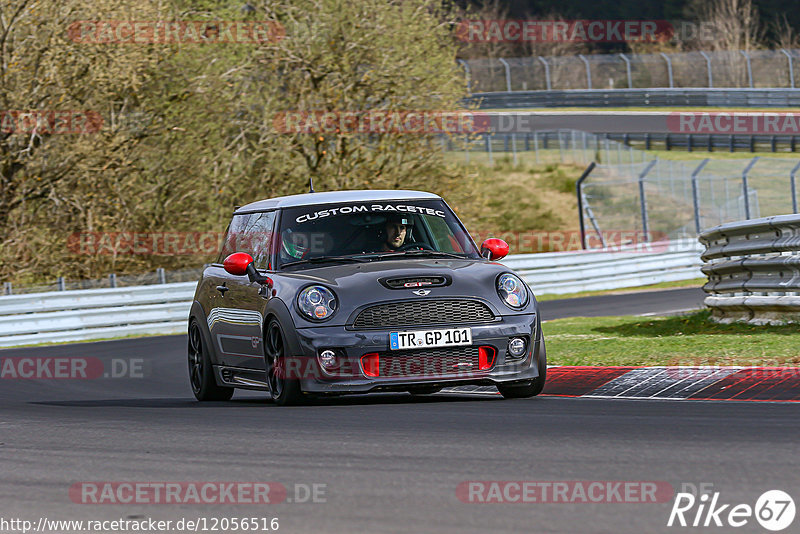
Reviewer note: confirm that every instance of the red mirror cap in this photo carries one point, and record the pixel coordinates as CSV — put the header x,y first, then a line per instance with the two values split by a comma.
x,y
497,247
236,264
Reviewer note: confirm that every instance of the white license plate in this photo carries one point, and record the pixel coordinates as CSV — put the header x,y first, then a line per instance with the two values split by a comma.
x,y
420,339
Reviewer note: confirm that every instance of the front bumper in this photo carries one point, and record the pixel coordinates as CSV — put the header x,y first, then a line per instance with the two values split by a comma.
x,y
353,344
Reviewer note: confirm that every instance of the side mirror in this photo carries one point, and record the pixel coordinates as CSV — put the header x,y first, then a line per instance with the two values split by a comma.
x,y
494,249
237,263
240,264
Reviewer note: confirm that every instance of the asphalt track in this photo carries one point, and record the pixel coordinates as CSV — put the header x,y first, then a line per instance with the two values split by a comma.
x,y
592,121
390,463
634,303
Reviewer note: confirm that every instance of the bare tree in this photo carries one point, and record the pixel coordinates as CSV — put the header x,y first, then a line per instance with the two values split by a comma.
x,y
785,35
736,24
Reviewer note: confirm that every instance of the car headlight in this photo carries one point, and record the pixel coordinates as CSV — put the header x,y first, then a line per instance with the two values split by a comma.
x,y
316,303
512,290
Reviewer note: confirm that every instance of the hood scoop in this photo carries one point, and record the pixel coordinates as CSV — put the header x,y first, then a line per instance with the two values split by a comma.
x,y
411,282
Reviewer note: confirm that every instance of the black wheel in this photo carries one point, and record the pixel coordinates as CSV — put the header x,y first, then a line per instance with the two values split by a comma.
x,y
201,374
424,390
285,390
532,388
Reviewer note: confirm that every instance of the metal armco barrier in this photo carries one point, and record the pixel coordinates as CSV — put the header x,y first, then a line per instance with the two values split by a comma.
x,y
559,273
91,314
83,315
510,131
753,270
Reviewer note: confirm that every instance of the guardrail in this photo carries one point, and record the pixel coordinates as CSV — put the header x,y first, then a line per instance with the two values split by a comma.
x,y
753,270
655,140
558,273
660,97
85,315
708,142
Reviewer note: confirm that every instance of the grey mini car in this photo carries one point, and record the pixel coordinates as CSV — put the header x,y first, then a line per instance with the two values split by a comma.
x,y
360,291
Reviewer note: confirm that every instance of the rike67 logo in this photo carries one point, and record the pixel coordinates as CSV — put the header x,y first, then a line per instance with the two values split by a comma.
x,y
774,510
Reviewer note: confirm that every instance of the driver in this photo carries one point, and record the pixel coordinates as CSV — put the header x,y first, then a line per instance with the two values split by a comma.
x,y
395,232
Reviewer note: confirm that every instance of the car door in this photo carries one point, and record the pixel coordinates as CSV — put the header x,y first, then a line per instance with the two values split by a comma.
x,y
239,319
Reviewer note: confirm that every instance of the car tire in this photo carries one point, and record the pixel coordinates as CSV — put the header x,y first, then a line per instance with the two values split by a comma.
x,y
528,389
424,390
201,372
285,391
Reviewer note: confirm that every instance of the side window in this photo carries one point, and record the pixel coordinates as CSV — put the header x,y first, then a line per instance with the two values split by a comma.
x,y
445,241
259,230
234,237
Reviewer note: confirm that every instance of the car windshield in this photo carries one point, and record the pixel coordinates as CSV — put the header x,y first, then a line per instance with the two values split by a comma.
x,y
372,231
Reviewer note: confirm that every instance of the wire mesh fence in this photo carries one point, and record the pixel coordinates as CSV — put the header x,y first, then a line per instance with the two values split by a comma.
x,y
544,147
633,191
733,69
679,199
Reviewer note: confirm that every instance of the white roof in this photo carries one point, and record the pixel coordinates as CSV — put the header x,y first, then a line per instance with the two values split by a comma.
x,y
333,197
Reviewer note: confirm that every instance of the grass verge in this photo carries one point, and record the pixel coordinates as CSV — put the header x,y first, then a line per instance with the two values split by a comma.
x,y
680,340
524,203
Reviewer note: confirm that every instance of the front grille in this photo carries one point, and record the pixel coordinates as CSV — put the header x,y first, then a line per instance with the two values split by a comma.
x,y
429,362
424,312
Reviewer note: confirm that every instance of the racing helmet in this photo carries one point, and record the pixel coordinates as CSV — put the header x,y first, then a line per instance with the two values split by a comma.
x,y
399,218
294,244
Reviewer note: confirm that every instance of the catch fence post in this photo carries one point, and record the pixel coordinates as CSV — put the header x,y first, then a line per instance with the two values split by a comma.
x,y
745,189
643,200
696,194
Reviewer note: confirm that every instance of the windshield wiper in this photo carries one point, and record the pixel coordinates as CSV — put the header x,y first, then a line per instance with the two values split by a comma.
x,y
433,253
326,259
405,253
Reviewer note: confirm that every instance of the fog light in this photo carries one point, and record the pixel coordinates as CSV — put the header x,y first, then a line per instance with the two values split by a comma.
x,y
516,347
371,364
486,357
328,360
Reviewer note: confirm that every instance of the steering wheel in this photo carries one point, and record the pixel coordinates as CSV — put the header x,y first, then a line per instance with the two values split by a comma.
x,y
418,246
